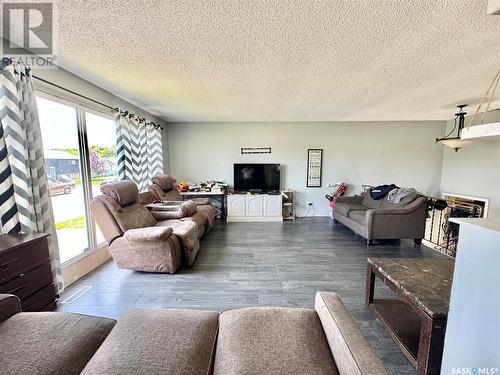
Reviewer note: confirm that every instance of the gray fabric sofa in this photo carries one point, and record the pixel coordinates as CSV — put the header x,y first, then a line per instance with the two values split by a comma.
x,y
382,219
260,340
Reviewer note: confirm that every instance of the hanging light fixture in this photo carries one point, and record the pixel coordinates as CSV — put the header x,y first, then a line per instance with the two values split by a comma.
x,y
456,142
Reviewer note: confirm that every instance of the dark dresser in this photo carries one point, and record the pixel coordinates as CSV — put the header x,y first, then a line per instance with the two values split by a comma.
x,y
25,271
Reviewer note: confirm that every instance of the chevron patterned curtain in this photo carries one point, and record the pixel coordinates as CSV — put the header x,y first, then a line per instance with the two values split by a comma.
x,y
139,151
25,205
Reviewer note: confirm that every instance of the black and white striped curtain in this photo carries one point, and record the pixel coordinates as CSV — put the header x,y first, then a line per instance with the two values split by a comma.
x,y
139,151
25,205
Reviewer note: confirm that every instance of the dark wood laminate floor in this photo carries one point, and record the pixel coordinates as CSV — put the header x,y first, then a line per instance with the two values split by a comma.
x,y
249,264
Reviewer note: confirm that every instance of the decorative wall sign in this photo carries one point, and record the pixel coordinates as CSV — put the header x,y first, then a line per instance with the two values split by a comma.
x,y
314,167
255,150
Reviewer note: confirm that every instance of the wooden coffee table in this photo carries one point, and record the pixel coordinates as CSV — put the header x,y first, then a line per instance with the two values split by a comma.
x,y
417,319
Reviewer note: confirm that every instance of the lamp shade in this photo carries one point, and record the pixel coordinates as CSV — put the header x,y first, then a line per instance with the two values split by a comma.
x,y
454,142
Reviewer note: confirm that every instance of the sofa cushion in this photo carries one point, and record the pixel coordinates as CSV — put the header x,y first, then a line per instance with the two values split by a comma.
x,y
147,197
104,218
123,192
172,195
49,342
386,204
369,202
134,216
359,216
272,340
158,342
344,208
165,182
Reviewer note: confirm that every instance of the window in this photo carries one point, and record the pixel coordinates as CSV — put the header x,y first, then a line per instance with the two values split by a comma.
x,y
101,135
80,155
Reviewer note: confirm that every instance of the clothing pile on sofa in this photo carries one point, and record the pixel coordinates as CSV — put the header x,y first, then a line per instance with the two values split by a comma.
x,y
394,193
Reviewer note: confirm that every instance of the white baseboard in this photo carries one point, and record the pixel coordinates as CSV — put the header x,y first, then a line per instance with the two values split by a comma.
x,y
252,219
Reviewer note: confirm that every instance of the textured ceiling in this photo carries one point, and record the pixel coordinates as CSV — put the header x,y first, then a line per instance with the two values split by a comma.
x,y
282,60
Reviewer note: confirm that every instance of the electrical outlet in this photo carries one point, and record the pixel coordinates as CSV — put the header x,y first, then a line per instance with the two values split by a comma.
x,y
309,204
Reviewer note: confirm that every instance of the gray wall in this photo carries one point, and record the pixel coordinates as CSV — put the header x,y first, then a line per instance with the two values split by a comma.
x,y
475,169
473,329
370,153
72,82
358,153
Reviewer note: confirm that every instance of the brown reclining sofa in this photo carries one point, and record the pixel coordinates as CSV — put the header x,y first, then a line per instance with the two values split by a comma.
x,y
140,242
162,188
258,340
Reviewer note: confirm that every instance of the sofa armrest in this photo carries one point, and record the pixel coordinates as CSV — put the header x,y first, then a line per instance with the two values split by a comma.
x,y
351,352
148,234
353,200
9,306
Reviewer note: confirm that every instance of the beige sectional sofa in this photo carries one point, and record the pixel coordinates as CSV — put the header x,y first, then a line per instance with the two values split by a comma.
x,y
382,219
47,342
260,340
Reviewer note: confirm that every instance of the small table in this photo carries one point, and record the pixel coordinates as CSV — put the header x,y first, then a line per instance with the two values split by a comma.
x,y
219,197
417,319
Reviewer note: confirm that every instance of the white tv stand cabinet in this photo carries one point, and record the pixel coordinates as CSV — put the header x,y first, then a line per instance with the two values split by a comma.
x,y
251,208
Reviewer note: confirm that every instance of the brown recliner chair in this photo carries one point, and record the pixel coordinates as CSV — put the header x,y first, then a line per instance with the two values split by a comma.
x,y
135,239
162,187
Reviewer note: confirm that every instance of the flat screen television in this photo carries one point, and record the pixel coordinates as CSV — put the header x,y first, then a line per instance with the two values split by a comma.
x,y
263,178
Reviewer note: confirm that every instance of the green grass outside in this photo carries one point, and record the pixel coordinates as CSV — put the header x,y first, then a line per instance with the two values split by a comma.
x,y
74,223
98,180
95,181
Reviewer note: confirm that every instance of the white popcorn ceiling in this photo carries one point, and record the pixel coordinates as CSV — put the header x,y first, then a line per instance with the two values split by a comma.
x,y
285,60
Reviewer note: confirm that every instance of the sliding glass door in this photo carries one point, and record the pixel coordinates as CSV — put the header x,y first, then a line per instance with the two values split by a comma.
x,y
80,155
101,136
59,126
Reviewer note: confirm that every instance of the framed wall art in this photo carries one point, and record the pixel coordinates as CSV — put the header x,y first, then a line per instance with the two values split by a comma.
x,y
314,167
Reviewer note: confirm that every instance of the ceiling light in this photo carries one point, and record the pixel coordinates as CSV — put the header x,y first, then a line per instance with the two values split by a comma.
x,y
456,142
